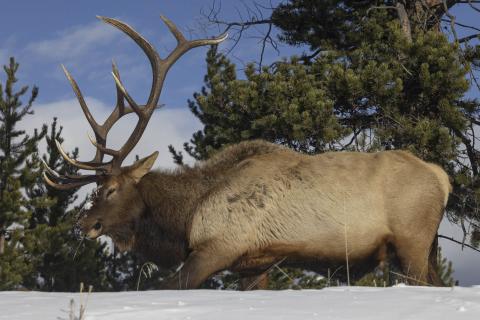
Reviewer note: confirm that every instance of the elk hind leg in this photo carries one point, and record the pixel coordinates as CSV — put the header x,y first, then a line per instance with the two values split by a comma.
x,y
414,262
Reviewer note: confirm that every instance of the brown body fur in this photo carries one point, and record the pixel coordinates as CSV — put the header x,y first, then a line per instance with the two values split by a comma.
x,y
256,203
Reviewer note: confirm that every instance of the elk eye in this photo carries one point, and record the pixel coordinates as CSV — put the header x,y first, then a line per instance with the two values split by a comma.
x,y
110,192
97,226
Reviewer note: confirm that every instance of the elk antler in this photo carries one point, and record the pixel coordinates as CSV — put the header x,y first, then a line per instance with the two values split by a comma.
x,y
160,68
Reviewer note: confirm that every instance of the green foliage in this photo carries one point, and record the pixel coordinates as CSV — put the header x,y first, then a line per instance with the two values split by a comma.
x,y
61,200
286,105
294,278
19,168
39,249
326,24
401,103
371,280
60,261
445,269
14,263
56,267
279,278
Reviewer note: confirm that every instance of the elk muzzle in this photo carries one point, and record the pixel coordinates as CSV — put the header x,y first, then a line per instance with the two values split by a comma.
x,y
95,231
88,230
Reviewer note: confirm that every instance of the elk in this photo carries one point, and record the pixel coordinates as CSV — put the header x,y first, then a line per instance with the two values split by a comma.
x,y
255,203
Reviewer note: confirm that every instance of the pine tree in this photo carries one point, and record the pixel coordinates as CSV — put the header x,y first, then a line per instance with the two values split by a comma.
x,y
285,105
18,169
63,200
445,269
379,75
60,262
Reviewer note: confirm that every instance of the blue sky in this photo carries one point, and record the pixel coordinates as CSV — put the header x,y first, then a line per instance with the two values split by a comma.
x,y
44,34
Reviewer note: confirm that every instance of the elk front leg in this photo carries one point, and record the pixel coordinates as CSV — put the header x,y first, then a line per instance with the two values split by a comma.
x,y
196,269
257,281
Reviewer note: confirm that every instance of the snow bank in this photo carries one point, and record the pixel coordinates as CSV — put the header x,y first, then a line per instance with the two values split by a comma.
x,y
399,302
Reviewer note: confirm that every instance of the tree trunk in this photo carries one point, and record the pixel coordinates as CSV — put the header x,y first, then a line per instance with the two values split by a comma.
x,y
404,21
2,243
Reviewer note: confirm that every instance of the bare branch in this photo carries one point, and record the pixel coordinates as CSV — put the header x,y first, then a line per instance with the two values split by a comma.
x,y
458,242
461,25
452,20
470,2
468,38
251,18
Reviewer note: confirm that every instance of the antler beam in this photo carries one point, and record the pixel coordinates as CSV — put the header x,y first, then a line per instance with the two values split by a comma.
x,y
160,68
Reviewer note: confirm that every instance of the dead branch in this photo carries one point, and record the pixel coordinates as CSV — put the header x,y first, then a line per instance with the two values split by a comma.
x,y
254,18
452,20
470,3
458,242
462,25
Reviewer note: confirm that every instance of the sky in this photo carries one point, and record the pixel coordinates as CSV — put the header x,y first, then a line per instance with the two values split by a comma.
x,y
42,35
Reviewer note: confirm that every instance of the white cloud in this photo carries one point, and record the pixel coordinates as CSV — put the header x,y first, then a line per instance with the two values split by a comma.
x,y
75,42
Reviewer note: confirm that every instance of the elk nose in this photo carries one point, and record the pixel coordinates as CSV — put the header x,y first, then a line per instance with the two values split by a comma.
x,y
95,231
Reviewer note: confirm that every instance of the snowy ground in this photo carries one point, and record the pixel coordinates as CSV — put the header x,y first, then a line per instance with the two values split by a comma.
x,y
399,302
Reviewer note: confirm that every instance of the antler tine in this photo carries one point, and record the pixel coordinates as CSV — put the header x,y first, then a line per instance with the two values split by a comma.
x,y
66,186
68,178
68,182
147,48
184,45
120,96
102,148
130,100
95,126
181,39
79,164
100,133
173,29
50,170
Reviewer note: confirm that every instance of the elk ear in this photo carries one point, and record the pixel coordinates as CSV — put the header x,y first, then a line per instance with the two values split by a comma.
x,y
142,167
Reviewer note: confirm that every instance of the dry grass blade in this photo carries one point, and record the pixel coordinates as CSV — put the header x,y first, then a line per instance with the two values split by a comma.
x,y
83,304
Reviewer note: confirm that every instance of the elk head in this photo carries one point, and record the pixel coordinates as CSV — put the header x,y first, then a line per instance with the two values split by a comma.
x,y
116,203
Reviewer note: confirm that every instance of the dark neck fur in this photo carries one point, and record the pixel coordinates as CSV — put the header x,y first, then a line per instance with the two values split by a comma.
x,y
170,199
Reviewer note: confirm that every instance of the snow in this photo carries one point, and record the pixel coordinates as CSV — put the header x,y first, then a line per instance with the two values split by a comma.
x,y
400,302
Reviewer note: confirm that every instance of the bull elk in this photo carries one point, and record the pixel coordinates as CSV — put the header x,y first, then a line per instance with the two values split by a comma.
x,y
255,203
